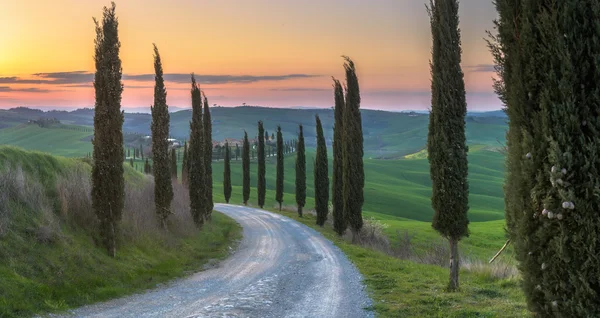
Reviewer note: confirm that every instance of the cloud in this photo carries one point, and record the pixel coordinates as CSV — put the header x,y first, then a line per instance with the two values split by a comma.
x,y
301,89
216,79
481,68
18,80
27,89
74,77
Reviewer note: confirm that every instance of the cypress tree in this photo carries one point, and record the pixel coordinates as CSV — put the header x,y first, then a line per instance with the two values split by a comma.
x,y
353,171
208,149
261,184
227,174
108,184
337,191
279,181
173,164
300,173
446,141
321,176
266,135
163,187
184,165
246,169
147,167
551,92
272,136
196,159
142,151
128,152
131,162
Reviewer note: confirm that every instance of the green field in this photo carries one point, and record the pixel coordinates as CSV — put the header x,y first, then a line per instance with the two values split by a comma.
x,y
59,141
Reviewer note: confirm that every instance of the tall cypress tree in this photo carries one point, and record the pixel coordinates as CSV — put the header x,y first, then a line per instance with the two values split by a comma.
x,y
184,165
128,152
353,171
227,174
279,182
321,176
446,142
246,169
196,159
142,151
300,173
108,184
173,164
131,162
261,184
147,167
163,187
208,148
337,190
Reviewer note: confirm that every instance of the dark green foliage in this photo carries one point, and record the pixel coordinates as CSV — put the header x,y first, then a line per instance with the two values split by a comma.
x,y
261,187
128,152
196,159
142,151
185,165
246,169
550,72
131,162
173,164
208,148
337,189
300,172
279,180
227,174
266,135
147,169
108,184
321,173
353,171
163,187
272,136
446,142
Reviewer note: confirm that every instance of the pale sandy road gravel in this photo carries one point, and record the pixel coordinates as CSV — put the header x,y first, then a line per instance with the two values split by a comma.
x,y
281,269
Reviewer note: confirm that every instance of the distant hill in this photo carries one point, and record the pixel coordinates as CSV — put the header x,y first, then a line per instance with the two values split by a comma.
x,y
386,134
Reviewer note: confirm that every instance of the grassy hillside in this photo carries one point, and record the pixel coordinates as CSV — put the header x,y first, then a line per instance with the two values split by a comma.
x,y
386,134
50,259
60,141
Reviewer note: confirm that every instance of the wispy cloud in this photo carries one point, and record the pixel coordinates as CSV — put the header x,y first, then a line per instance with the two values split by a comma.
x,y
27,89
481,68
301,89
74,77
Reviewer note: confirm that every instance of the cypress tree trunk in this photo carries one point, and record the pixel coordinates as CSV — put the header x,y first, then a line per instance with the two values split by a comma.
x,y
446,142
353,171
261,184
196,159
227,174
321,172
300,173
207,127
246,169
337,191
184,165
108,184
163,187
279,182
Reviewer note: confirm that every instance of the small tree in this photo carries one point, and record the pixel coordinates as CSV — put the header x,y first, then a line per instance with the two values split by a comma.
x,y
300,173
131,162
208,148
227,174
108,183
246,169
446,142
196,158
321,176
337,191
184,165
163,187
261,184
353,172
142,151
279,182
147,167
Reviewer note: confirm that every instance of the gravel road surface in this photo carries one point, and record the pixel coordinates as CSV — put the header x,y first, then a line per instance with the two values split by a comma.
x,y
281,269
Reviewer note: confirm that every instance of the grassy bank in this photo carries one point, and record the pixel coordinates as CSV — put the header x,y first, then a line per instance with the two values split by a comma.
x,y
50,257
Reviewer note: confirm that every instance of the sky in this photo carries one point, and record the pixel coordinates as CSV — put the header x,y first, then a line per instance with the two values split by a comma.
x,y
275,53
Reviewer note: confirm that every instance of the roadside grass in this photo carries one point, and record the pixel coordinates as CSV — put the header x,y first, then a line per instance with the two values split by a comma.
x,y
51,261
403,288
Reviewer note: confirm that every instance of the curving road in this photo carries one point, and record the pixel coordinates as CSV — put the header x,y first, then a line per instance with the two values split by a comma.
x,y
281,269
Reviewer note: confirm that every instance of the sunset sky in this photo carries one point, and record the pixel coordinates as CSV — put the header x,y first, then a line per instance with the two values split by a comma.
x,y
276,53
